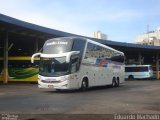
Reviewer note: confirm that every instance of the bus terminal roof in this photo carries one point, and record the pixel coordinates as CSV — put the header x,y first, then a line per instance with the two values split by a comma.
x,y
13,25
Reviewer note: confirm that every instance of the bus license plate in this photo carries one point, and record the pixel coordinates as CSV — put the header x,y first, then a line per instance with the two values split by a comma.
x,y
50,86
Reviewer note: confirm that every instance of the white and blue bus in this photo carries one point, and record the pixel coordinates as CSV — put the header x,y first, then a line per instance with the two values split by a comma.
x,y
138,72
73,63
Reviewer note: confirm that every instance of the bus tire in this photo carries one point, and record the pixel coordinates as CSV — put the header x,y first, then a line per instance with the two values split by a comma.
x,y
113,82
117,82
84,85
58,90
130,77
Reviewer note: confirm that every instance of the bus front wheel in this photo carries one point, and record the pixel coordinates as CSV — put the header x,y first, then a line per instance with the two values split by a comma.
x,y
84,85
117,82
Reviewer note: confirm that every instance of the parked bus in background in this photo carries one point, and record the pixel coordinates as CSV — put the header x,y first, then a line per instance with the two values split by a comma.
x,y
73,63
20,69
138,71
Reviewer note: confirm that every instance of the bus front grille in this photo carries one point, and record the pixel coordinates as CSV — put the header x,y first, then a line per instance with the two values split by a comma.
x,y
46,81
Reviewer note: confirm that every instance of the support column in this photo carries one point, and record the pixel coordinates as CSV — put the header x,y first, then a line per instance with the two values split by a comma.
x,y
36,46
157,66
5,80
139,58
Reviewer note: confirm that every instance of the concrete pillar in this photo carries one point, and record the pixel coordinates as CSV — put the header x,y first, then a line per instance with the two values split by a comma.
x,y
157,65
139,58
5,80
36,46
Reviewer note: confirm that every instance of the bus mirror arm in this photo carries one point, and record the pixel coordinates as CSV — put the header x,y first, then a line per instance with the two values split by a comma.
x,y
33,56
72,53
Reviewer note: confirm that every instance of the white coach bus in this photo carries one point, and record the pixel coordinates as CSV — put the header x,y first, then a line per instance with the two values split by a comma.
x,y
73,63
138,72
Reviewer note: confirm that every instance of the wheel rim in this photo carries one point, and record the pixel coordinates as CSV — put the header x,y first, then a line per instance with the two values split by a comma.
x,y
114,83
117,82
84,84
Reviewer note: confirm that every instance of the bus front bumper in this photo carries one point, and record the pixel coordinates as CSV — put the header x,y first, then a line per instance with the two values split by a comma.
x,y
60,85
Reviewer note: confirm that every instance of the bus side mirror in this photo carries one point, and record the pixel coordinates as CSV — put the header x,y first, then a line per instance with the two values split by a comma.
x,y
33,56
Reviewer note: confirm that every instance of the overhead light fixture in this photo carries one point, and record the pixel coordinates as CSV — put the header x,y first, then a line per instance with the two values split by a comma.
x,y
19,49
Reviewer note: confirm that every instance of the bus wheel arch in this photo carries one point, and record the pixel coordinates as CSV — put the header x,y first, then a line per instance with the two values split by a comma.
x,y
84,84
130,77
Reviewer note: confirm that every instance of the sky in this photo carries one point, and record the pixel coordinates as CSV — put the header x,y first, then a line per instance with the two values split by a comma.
x,y
121,20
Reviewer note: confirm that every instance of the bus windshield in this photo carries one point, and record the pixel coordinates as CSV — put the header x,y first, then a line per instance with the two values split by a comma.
x,y
53,67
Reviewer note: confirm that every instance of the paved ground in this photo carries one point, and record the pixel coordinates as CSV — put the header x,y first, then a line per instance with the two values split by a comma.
x,y
130,97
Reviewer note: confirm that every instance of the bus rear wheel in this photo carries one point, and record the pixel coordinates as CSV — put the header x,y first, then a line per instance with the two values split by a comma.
x,y
113,82
117,82
84,85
